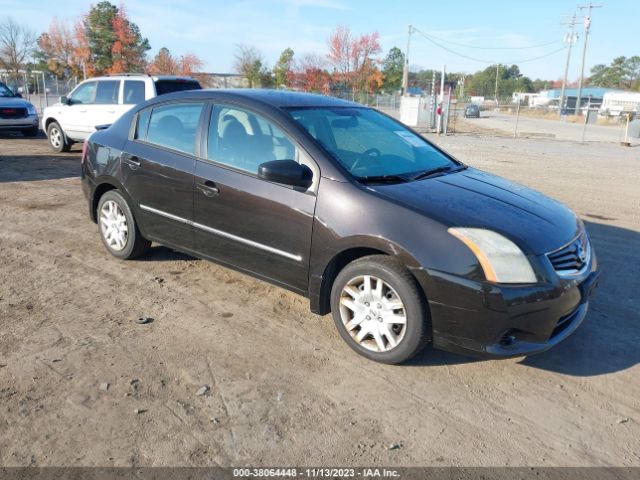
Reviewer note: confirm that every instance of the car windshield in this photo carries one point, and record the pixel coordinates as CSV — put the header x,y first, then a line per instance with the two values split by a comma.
x,y
371,145
5,91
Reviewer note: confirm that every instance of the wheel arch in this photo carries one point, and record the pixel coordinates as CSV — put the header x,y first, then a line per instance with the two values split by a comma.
x,y
320,285
102,187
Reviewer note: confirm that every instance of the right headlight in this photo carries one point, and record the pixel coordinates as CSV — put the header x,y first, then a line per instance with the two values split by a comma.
x,y
502,260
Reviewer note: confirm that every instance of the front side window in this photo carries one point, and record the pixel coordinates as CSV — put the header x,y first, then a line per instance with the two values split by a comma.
x,y
85,93
133,92
244,140
107,92
369,144
175,125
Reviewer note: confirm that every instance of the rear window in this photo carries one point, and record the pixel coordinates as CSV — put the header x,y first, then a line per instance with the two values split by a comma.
x,y
133,92
168,86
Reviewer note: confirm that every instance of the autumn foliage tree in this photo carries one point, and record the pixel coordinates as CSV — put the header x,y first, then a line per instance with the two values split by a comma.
x,y
57,48
164,63
352,59
310,74
128,52
105,40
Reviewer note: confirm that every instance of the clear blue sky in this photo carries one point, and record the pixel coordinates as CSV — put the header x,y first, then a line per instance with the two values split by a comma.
x,y
211,29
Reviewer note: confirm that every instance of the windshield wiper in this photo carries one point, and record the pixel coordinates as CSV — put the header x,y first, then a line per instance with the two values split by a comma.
x,y
382,179
435,171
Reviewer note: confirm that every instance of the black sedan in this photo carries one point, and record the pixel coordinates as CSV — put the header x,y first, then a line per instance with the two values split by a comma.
x,y
401,242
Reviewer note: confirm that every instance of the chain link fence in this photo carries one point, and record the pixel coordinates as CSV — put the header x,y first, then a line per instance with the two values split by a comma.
x,y
522,121
40,88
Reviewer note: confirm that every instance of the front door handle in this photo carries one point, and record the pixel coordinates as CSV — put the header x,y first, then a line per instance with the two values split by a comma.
x,y
208,188
131,160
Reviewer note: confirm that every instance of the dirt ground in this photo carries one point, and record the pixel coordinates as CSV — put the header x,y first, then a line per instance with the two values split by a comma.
x,y
82,384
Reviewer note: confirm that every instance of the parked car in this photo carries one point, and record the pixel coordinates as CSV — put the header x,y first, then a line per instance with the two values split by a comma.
x,y
16,114
101,101
472,111
400,241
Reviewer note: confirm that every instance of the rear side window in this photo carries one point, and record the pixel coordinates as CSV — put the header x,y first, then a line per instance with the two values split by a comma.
x,y
168,86
133,92
142,124
107,92
174,126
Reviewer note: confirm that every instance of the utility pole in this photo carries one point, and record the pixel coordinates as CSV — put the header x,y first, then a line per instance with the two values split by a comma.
x,y
440,101
587,26
569,39
464,77
405,70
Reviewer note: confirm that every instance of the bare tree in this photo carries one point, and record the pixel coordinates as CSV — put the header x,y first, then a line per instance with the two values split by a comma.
x,y
16,44
249,62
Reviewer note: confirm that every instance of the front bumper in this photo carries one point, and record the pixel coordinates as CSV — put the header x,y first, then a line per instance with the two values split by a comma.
x,y
19,124
487,320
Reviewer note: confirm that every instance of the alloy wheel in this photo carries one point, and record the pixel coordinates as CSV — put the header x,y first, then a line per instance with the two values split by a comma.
x,y
113,224
373,313
55,137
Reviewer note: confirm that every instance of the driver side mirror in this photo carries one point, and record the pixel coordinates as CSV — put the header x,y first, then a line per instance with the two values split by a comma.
x,y
19,95
287,172
65,101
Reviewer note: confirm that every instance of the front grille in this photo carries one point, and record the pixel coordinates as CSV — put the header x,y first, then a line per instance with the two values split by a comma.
x,y
11,112
572,258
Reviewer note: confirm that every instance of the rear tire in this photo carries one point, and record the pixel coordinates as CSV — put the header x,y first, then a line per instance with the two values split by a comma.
x,y
379,310
57,138
118,229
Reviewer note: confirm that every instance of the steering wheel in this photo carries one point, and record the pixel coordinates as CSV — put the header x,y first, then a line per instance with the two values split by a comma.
x,y
371,152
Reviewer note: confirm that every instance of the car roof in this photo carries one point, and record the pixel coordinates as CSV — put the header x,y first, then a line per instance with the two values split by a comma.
x,y
275,98
119,76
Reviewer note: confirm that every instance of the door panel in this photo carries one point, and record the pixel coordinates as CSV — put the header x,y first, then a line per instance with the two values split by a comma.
x,y
157,170
75,117
160,182
255,225
252,224
105,109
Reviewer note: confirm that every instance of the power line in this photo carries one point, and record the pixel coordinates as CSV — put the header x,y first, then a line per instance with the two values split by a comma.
x,y
491,62
465,45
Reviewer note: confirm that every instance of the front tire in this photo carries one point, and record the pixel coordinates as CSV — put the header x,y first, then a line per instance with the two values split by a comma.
x,y
379,310
118,229
57,139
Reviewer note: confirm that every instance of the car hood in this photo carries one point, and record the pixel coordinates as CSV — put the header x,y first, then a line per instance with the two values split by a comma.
x,y
472,198
13,102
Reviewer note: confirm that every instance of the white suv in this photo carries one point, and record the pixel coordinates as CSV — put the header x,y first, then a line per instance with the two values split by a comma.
x,y
101,101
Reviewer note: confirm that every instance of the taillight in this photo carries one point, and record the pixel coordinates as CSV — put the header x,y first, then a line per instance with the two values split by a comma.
x,y
85,151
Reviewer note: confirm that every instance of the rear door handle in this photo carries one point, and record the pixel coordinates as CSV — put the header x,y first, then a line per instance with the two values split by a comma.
x,y
208,188
131,160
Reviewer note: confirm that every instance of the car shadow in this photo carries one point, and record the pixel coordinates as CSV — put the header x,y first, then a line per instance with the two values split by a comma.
x,y
608,339
20,136
24,168
160,253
